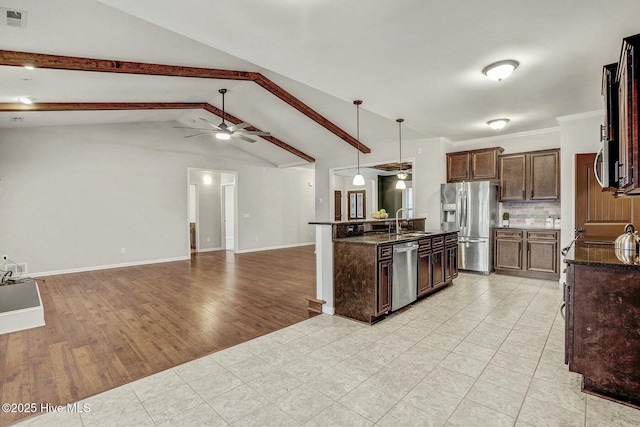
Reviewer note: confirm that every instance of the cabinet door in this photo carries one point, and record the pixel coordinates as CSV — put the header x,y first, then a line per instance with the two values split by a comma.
x,y
451,264
508,254
484,165
438,262
513,177
542,255
458,167
385,276
544,175
425,282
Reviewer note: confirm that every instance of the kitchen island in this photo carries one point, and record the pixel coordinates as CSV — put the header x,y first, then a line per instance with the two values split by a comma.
x,y
602,320
373,274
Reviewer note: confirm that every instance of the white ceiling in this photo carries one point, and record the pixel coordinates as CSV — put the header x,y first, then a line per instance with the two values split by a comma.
x,y
416,59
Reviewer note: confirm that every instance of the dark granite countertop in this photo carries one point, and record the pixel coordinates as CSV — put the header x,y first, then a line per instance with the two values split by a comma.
x,y
382,238
361,221
601,254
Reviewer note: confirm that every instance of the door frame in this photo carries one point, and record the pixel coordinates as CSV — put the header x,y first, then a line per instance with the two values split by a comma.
x,y
223,206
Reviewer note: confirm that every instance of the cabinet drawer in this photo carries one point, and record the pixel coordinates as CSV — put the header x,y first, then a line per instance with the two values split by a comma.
x,y
508,234
385,252
424,244
542,235
451,239
437,241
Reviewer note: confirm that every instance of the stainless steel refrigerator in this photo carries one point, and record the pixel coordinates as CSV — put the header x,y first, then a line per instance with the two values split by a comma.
x,y
471,208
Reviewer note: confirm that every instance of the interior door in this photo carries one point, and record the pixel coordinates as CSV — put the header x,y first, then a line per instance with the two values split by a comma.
x,y
599,213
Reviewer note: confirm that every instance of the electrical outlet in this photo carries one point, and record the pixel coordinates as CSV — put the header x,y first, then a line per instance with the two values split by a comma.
x,y
208,239
123,250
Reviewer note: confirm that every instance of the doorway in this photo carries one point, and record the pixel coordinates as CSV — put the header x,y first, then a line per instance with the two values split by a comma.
x,y
193,217
228,195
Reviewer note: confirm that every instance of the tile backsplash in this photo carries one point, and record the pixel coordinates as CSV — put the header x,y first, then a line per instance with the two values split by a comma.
x,y
528,214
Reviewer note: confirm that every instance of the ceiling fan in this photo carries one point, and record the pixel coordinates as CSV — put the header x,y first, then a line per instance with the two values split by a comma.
x,y
225,132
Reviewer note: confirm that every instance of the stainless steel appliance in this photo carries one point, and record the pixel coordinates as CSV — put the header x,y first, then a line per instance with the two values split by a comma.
x,y
471,209
405,275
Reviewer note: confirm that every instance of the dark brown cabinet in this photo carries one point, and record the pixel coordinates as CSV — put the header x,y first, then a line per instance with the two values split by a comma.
x,y
384,286
451,257
473,165
425,267
627,80
528,253
531,176
508,247
602,341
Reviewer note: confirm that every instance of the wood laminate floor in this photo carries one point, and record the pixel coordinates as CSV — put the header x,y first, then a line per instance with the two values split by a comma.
x,y
110,327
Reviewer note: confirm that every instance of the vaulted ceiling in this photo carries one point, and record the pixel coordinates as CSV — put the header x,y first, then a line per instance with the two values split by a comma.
x,y
416,59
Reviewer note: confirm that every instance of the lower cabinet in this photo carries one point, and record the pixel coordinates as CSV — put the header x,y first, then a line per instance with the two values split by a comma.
x,y
527,252
363,273
384,287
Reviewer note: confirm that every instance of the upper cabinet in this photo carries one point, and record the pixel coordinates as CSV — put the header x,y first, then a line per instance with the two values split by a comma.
x,y
531,176
473,165
627,77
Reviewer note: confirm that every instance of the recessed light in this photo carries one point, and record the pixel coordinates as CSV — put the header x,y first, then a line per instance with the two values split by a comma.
x,y
25,100
29,67
498,123
500,70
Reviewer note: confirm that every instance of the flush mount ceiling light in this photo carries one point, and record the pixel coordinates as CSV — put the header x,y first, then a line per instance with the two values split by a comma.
x,y
500,70
25,100
358,179
402,175
498,123
206,179
29,67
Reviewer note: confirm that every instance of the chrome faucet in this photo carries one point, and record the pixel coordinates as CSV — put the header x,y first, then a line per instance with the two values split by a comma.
x,y
397,213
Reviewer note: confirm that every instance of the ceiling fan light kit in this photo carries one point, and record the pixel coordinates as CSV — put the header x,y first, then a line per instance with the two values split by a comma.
x,y
358,179
225,132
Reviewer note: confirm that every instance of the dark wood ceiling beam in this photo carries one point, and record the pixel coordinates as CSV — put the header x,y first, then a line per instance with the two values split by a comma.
x,y
39,60
105,106
309,112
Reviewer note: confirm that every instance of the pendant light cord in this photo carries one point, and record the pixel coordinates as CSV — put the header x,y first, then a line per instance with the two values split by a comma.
x,y
358,102
400,140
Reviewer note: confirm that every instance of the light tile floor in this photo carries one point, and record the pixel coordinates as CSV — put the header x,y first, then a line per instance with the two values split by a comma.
x,y
487,351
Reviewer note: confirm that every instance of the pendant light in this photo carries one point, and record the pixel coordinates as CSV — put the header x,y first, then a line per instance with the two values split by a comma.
x,y
358,179
402,175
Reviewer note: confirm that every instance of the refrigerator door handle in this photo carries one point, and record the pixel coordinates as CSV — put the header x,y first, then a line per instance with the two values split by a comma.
x,y
459,207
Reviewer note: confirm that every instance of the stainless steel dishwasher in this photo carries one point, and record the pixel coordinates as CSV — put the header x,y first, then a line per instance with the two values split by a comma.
x,y
405,273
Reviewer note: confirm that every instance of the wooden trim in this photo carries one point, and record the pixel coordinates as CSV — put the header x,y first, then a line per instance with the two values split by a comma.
x,y
58,62
309,112
103,106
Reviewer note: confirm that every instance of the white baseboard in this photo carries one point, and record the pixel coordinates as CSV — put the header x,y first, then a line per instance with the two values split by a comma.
x,y
268,248
106,267
328,310
211,249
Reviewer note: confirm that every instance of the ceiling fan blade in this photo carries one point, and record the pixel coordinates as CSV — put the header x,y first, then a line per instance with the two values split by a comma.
x,y
239,126
200,134
187,127
244,138
210,124
256,133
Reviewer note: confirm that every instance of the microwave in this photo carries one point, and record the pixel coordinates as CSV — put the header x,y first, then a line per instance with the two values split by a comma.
x,y
605,165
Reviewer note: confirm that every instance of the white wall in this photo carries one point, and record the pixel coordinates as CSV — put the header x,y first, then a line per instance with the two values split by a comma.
x,y
72,196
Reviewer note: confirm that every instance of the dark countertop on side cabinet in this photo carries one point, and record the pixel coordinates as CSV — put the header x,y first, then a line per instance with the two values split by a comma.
x,y
599,254
382,238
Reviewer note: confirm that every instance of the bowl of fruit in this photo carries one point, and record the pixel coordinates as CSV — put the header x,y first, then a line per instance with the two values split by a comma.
x,y
381,214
